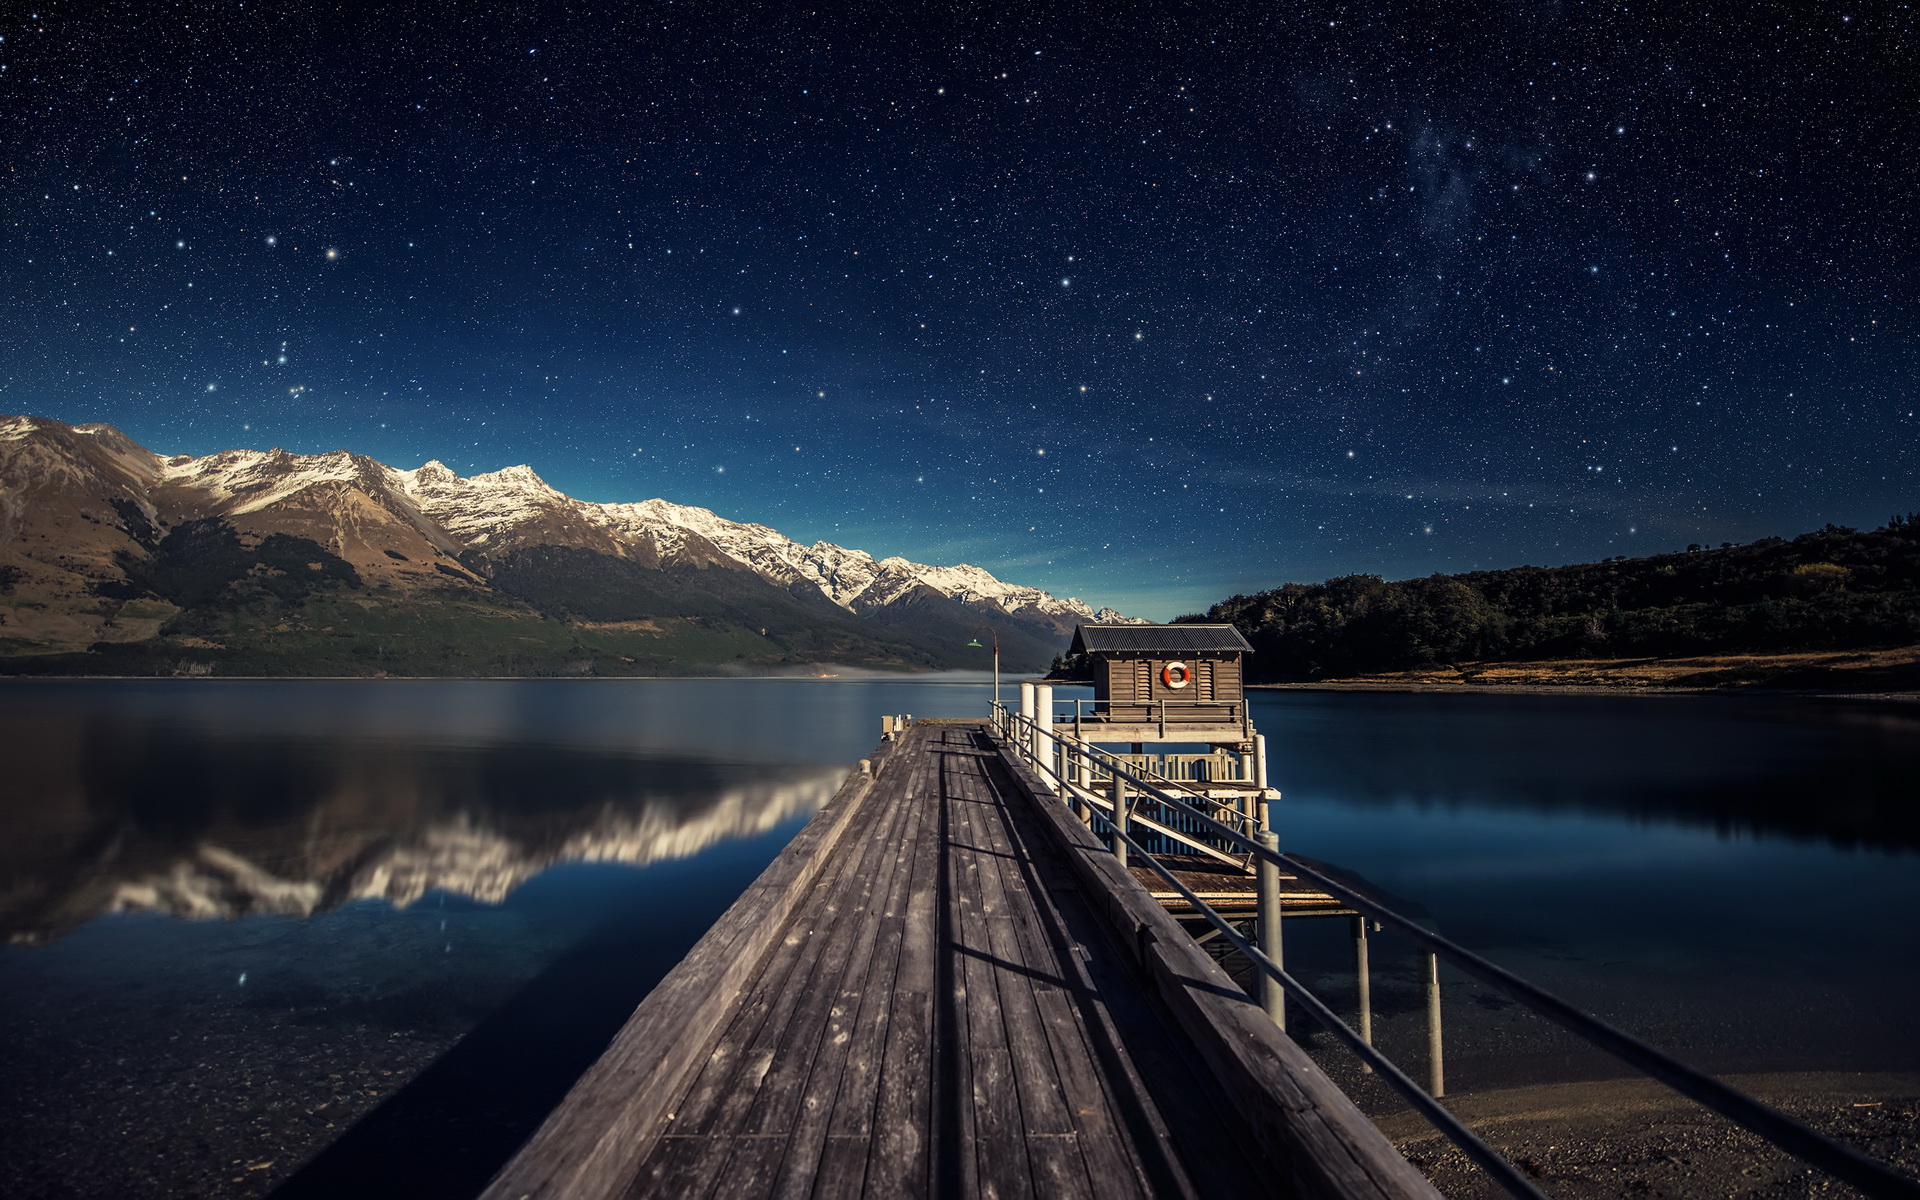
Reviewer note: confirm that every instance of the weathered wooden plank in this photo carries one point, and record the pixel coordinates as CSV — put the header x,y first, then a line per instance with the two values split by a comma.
x,y
806,1026
689,1159
857,1089
842,1174
744,1048
746,1089
808,1111
753,1164
900,1159
1029,1104
1051,1127
592,1143
1098,1077
978,1087
1306,1124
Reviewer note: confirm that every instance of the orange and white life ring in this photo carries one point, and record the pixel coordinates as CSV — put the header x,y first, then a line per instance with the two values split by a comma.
x,y
1176,675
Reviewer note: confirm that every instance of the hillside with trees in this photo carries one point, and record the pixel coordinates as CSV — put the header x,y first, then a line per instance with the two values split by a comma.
x,y
1834,589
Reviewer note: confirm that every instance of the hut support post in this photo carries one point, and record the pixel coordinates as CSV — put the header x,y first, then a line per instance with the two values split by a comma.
x,y
1436,1065
1267,899
1363,975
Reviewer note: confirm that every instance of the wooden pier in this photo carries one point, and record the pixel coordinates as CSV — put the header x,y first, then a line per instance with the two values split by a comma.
x,y
946,986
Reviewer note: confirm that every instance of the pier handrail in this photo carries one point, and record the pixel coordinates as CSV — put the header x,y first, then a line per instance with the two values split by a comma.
x,y
1871,1177
1095,754
1187,786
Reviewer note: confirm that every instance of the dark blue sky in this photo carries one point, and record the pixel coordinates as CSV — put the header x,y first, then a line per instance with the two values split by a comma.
x,y
1144,304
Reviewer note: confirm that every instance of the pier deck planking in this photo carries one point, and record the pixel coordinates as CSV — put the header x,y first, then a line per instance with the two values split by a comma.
x,y
935,1006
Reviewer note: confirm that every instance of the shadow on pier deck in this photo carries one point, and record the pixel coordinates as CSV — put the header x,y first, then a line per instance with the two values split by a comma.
x,y
946,986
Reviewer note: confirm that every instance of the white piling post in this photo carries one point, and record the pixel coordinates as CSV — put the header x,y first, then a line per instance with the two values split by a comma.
x,y
1260,761
1272,996
1436,1065
1363,974
1023,738
1043,724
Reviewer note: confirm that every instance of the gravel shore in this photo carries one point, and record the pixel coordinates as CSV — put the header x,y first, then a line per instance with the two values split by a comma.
x,y
1636,1138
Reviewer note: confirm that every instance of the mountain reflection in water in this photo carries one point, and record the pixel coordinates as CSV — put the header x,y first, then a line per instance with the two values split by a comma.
x,y
174,817
248,920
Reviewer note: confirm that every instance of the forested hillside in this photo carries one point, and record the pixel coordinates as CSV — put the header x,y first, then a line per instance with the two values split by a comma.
x,y
1833,589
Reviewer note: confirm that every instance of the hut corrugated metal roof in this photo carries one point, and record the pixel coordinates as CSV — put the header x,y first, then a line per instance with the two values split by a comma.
x,y
1158,639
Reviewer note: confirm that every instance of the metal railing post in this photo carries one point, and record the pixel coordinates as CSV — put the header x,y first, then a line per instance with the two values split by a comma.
x,y
1273,998
1119,819
1436,1065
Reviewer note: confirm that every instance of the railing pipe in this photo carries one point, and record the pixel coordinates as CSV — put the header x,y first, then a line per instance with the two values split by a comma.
x,y
1872,1178
1503,1172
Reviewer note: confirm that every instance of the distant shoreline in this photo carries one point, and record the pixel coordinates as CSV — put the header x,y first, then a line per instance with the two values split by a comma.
x,y
1885,673
1584,689
857,677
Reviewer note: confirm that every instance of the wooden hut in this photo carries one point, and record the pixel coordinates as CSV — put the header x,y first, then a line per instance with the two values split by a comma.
x,y
1163,676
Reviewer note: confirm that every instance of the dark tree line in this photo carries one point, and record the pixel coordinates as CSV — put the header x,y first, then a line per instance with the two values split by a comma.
x,y
1833,589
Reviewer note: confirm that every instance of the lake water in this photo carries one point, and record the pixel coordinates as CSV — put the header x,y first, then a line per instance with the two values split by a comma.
x,y
358,937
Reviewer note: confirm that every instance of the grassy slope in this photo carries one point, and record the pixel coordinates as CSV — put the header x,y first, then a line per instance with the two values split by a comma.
x,y
216,603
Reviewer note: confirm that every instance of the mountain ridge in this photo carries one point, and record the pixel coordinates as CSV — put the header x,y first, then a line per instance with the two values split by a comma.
x,y
104,543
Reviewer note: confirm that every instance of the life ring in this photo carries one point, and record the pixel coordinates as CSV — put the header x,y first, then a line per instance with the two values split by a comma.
x,y
1176,675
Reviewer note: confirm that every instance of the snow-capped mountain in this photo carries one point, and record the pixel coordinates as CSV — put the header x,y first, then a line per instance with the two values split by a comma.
x,y
484,509
86,511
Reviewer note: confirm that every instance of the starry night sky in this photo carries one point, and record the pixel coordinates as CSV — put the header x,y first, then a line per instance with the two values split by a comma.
x,y
1144,304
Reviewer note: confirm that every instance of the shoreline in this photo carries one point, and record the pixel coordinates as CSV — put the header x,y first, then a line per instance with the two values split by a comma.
x,y
1633,1136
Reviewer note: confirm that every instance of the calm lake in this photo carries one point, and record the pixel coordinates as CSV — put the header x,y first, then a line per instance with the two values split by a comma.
x,y
358,937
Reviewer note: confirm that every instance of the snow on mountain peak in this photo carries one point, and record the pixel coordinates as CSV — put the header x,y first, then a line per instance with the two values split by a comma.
x,y
16,428
259,479
481,508
521,478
